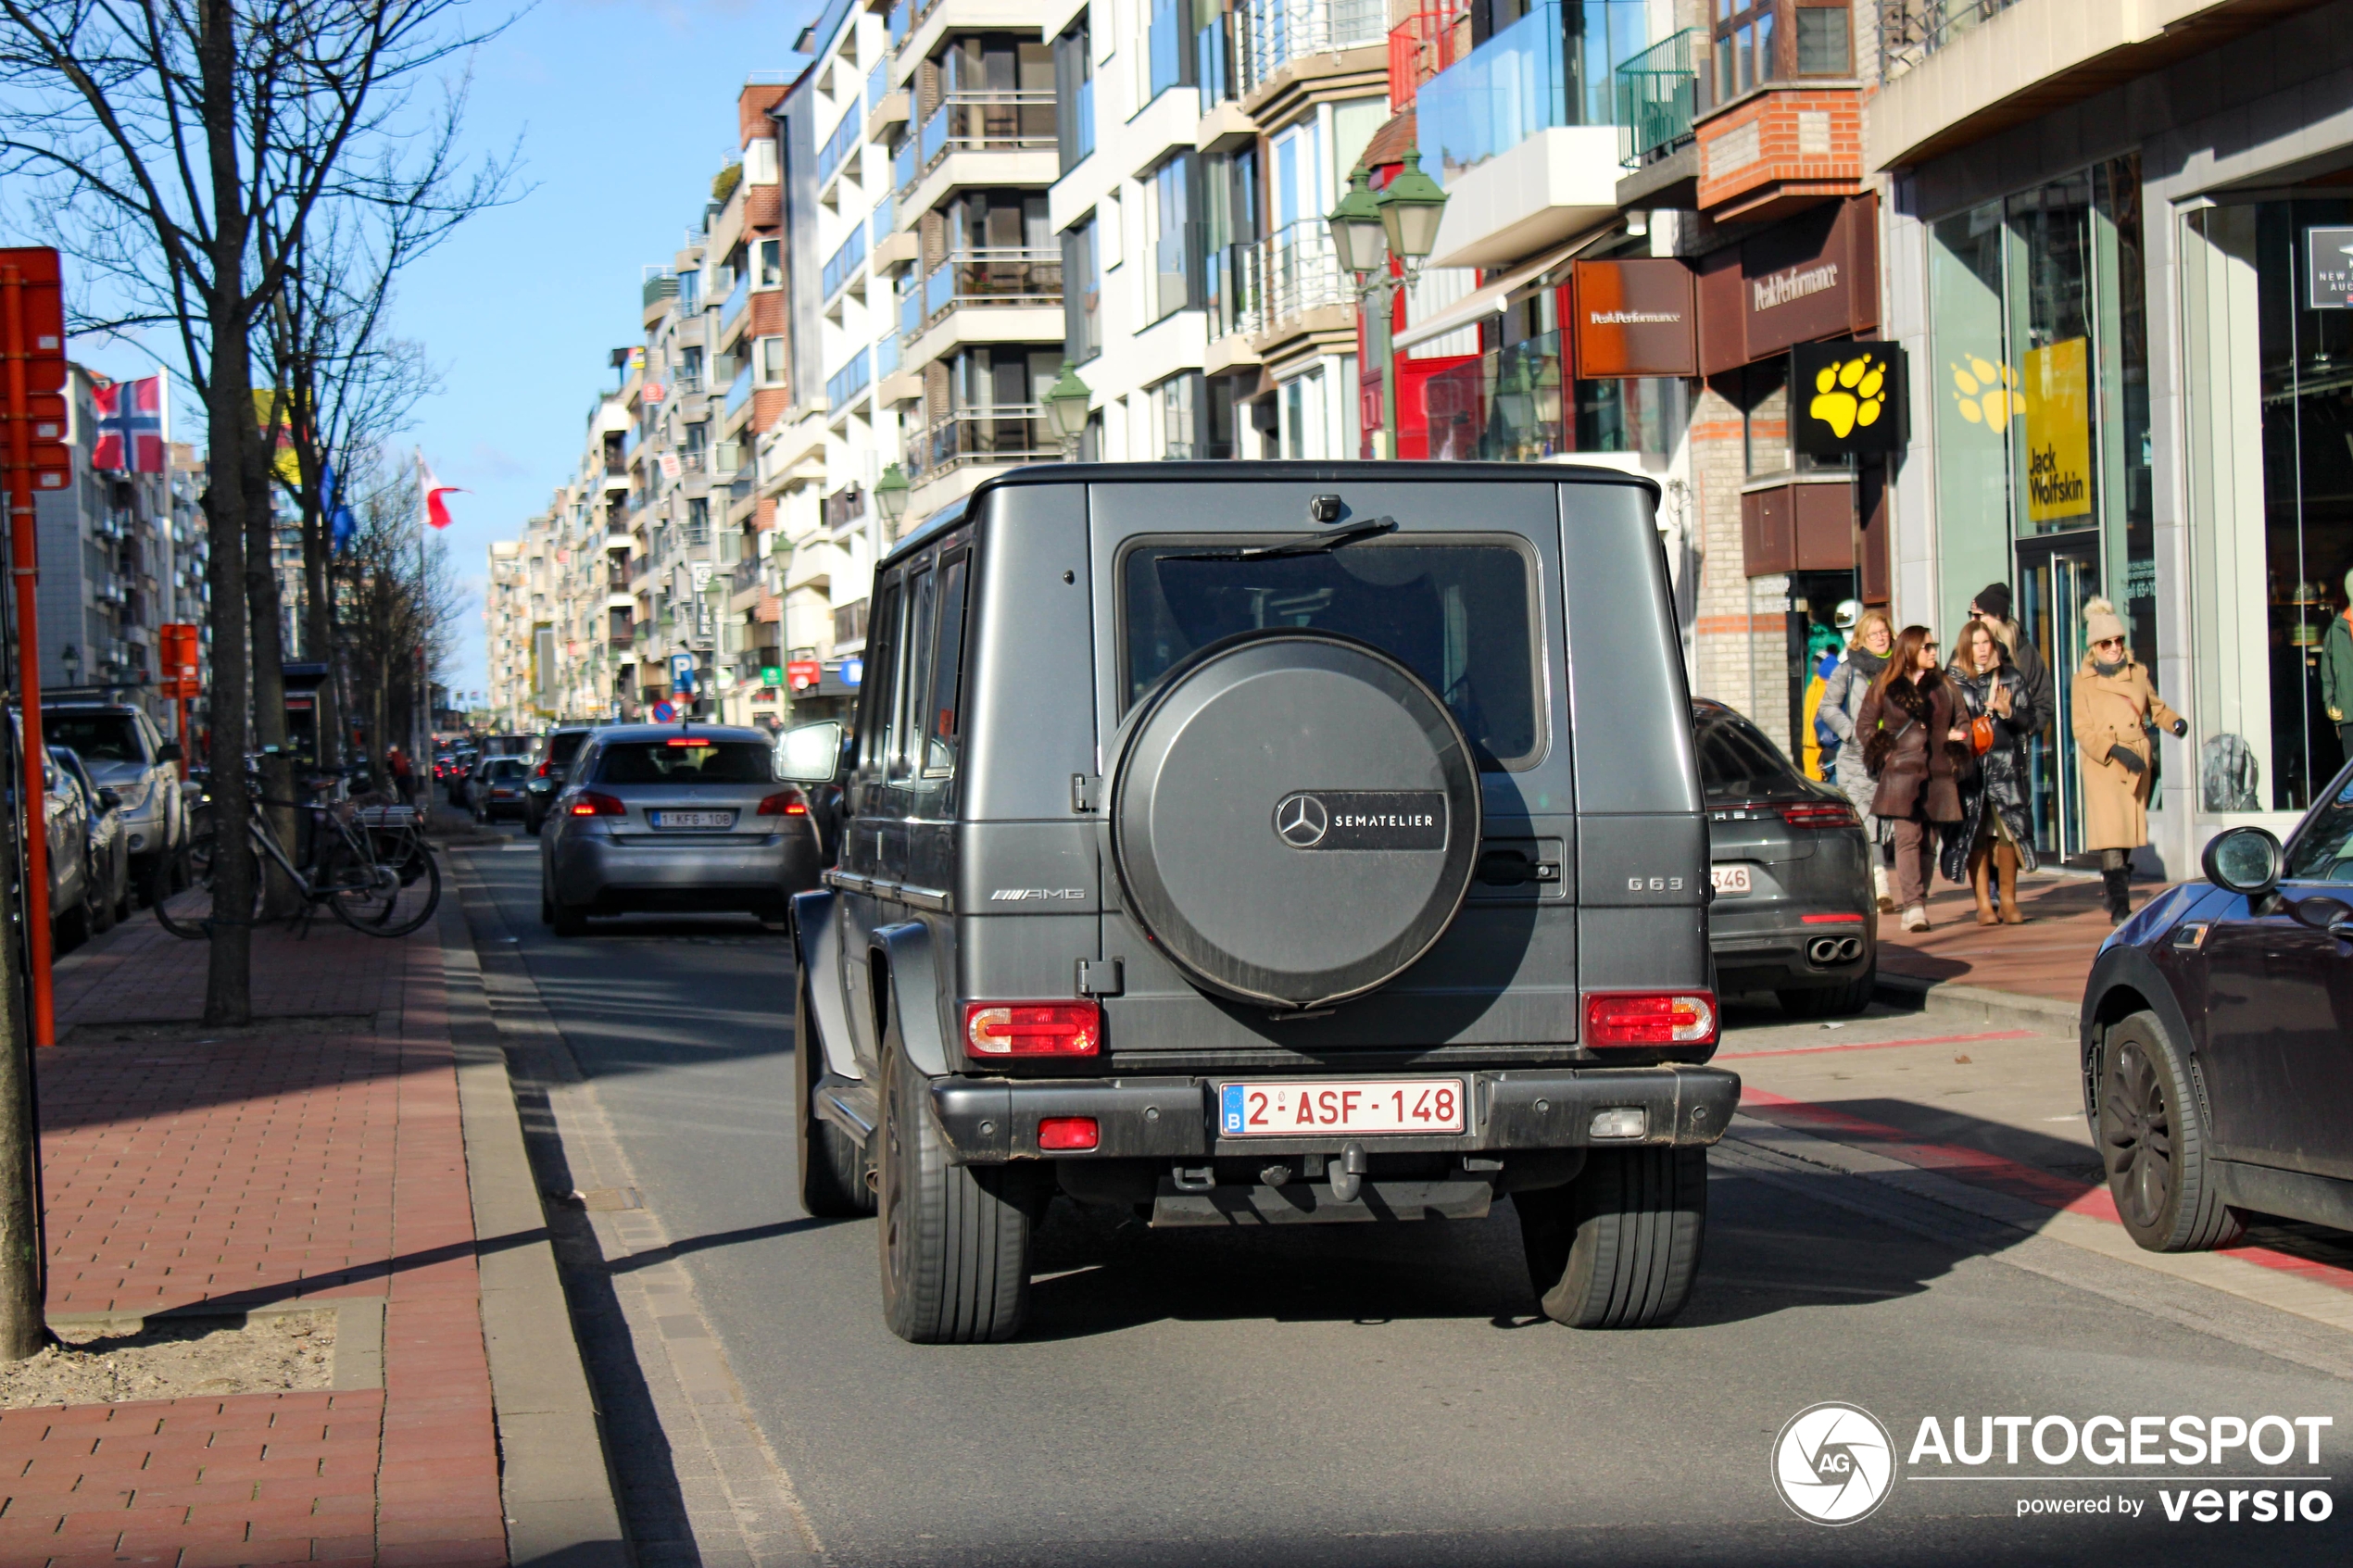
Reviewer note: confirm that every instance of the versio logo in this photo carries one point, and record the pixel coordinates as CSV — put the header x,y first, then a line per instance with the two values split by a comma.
x,y
1833,1464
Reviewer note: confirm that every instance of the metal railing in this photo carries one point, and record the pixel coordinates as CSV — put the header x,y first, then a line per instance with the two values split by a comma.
x,y
1300,273
1658,95
877,83
1917,28
738,391
903,167
995,277
850,379
738,297
843,265
1270,34
660,286
968,123
1422,44
1234,287
1004,433
839,144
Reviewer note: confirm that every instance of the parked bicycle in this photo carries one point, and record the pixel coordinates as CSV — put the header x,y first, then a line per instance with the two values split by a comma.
x,y
366,860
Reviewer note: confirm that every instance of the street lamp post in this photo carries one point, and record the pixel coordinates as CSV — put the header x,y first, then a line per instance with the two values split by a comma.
x,y
1367,229
1066,407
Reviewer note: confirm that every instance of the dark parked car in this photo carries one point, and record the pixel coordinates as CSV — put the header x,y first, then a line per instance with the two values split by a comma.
x,y
1793,912
107,897
2215,1031
666,817
548,767
1219,848
496,788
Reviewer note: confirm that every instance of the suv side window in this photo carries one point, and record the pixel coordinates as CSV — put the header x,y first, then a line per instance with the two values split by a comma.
x,y
876,705
943,716
910,665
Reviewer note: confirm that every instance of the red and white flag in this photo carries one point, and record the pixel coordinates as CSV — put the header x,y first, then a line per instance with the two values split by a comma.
x,y
130,427
436,509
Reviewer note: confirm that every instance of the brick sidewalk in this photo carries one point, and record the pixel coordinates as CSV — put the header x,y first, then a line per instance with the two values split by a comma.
x,y
317,1160
2047,956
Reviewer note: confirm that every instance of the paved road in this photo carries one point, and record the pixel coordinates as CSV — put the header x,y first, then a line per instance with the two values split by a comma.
x,y
1362,1394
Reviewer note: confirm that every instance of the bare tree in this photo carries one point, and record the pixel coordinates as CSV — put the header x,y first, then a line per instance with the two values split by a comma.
x,y
180,149
395,601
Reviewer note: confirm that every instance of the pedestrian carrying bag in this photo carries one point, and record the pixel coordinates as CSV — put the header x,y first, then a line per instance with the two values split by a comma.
x,y
1980,733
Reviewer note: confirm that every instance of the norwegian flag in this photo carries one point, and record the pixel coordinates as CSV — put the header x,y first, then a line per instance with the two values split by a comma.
x,y
131,436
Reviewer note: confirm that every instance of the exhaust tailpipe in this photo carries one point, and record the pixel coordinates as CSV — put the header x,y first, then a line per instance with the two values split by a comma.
x,y
1824,951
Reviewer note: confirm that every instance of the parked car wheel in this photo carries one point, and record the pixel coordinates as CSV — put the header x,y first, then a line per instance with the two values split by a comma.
x,y
533,822
567,920
1617,1247
2152,1141
832,1164
954,1244
1831,1001
97,902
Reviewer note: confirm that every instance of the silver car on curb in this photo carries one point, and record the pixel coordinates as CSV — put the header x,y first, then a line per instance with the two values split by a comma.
x,y
667,817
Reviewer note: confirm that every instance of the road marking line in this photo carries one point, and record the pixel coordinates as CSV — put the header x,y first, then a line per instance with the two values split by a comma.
x,y
1878,1044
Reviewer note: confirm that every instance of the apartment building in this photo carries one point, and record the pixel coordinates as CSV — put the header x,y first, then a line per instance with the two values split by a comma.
x,y
513,691
121,554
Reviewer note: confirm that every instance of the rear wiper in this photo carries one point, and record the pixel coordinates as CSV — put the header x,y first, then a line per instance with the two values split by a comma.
x,y
1312,545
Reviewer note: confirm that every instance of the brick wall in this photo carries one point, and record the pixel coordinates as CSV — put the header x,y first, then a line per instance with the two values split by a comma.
x,y
1738,633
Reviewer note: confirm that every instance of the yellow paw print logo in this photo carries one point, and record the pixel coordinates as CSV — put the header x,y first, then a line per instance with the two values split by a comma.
x,y
1850,394
1987,393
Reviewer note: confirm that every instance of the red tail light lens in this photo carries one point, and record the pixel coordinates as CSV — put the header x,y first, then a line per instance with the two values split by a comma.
x,y
1068,1131
1649,1018
1820,814
588,802
1033,1028
785,803
543,770
1830,920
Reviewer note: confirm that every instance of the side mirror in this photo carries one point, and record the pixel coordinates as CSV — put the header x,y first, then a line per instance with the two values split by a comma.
x,y
812,754
107,799
2245,860
169,752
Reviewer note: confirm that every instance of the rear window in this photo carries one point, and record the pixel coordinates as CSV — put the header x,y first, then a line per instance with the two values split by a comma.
x,y
671,762
1458,615
564,747
96,737
1736,762
505,767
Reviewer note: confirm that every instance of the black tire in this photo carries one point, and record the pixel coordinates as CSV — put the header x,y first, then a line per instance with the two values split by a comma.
x,y
69,928
531,824
1619,1246
180,890
1831,1001
546,908
832,1164
567,920
2153,1141
395,906
953,1244
97,898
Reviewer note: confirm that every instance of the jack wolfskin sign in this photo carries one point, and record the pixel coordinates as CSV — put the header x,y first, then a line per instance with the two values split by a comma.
x,y
1294,818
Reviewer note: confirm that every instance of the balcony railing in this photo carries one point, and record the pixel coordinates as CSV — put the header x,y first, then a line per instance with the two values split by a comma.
x,y
886,215
1005,434
1422,44
903,167
738,297
1300,272
991,278
1917,28
738,392
1524,80
887,356
844,264
840,145
877,83
970,122
1270,34
1212,59
1235,288
660,286
1658,95
850,380
910,308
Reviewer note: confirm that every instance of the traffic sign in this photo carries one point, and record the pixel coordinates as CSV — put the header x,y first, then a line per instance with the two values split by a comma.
x,y
664,712
44,315
852,671
682,673
804,674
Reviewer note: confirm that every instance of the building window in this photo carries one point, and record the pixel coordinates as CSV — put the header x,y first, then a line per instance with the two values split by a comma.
x,y
772,264
1082,294
1179,402
1074,95
1743,47
768,361
1822,41
1175,236
1171,42
1750,48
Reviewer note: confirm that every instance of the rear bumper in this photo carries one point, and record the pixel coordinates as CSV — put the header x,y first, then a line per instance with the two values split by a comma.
x,y
1778,950
991,1121
768,868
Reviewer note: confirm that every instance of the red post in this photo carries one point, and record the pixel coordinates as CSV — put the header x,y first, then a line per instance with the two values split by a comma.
x,y
25,567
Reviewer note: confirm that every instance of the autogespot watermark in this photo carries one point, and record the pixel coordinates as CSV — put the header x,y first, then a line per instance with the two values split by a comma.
x,y
1835,1463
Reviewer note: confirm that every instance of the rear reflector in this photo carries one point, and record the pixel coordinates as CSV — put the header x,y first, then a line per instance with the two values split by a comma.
x,y
588,802
1830,920
785,803
1033,1028
1681,1018
1068,1131
1820,814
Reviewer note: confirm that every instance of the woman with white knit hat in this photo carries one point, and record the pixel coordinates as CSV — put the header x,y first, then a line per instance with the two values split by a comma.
x,y
2114,706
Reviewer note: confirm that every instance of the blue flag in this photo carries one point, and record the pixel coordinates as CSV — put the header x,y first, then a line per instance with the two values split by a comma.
x,y
339,516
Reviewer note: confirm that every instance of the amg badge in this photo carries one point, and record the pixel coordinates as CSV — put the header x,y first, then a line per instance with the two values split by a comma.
x,y
1361,818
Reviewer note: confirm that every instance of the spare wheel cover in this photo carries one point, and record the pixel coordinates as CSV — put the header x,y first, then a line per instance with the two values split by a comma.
x,y
1295,817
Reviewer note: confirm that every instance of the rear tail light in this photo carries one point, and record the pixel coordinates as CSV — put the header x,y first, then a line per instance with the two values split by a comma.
x,y
1820,814
543,770
1068,1131
785,803
1649,1018
1831,920
590,804
1033,1028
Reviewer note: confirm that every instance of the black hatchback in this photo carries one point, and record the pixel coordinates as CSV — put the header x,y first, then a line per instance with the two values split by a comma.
x,y
2214,1037
1793,912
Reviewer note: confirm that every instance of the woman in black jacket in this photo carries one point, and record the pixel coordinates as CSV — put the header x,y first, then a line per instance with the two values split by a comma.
x,y
1915,746
1994,838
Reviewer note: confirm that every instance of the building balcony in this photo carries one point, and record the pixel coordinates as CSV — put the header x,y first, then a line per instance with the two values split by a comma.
x,y
1425,43
976,138
930,23
1290,55
845,267
994,437
1658,97
1781,150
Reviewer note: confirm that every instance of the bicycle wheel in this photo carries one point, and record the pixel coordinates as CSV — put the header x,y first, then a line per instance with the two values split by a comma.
x,y
180,888
394,893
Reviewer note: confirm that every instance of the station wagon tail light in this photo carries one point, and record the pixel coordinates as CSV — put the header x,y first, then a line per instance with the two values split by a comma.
x,y
1068,1133
1649,1018
785,803
591,804
543,770
1820,814
1033,1028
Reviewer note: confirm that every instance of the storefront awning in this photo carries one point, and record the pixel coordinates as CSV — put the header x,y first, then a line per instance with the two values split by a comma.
x,y
1488,299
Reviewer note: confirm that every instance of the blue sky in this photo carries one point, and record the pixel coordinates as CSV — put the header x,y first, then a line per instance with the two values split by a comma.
x,y
626,109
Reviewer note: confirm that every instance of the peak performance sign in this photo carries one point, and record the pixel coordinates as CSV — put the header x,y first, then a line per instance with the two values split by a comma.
x,y
1634,317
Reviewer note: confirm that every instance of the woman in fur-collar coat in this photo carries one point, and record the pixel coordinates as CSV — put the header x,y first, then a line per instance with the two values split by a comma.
x,y
1915,747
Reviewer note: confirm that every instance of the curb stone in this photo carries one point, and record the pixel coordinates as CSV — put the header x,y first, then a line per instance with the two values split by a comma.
x,y
559,1509
1978,1004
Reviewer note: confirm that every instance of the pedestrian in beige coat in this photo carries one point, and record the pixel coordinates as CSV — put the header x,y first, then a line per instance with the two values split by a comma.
x,y
2114,706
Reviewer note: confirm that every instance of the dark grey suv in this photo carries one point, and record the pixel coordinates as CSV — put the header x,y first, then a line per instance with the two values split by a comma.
x,y
1263,843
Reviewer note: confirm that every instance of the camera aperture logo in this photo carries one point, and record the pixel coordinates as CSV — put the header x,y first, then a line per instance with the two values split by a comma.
x,y
1833,1464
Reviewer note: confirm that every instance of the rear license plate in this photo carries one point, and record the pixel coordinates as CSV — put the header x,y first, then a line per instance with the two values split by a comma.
x,y
1730,879
690,820
1324,1106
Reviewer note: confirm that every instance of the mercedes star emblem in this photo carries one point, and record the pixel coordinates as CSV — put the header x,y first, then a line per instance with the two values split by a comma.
x,y
1301,821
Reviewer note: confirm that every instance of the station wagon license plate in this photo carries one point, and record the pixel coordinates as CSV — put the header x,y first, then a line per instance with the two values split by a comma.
x,y
691,820
1730,879
1324,1106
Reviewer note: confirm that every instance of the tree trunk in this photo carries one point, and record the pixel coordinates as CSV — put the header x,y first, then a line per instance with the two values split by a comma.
x,y
228,415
